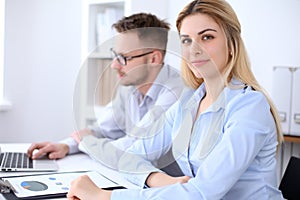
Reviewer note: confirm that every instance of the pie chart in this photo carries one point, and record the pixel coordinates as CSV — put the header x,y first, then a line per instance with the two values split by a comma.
x,y
34,185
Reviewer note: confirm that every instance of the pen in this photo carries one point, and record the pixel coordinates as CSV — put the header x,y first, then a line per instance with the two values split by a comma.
x,y
6,187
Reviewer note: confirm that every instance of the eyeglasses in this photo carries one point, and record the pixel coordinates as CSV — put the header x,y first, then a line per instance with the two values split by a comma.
x,y
123,59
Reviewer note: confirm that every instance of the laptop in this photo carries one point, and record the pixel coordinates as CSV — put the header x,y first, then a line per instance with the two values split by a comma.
x,y
19,161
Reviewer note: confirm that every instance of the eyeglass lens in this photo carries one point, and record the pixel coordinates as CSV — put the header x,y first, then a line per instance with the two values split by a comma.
x,y
121,59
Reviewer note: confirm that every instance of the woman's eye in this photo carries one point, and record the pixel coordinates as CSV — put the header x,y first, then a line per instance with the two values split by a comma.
x,y
186,41
208,37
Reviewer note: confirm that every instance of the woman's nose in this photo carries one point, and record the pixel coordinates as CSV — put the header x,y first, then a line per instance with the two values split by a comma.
x,y
196,48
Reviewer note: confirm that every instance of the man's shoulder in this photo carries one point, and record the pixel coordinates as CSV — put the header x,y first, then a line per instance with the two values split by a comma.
x,y
171,71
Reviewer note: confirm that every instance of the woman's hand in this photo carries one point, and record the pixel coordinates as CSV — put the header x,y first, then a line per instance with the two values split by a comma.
x,y
85,189
158,179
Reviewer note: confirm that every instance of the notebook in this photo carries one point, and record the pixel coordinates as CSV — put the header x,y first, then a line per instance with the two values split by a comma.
x,y
19,161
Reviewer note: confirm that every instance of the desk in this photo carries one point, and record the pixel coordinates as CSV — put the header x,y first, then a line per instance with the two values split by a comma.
x,y
291,138
76,162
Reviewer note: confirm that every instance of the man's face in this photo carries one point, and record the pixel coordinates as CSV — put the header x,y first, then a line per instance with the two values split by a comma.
x,y
136,70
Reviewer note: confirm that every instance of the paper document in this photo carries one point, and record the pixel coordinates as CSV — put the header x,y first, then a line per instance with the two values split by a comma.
x,y
55,183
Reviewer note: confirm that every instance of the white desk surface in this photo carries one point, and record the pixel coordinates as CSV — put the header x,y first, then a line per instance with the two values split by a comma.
x,y
76,162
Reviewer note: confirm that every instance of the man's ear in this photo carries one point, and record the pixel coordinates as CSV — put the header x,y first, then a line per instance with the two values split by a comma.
x,y
157,57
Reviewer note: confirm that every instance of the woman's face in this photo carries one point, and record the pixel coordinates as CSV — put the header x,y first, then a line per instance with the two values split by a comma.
x,y
204,46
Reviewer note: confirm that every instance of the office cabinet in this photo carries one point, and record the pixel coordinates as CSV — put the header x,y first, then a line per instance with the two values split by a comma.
x,y
96,82
285,94
295,110
281,95
286,87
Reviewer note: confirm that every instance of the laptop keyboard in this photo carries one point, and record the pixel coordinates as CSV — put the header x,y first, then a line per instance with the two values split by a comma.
x,y
15,160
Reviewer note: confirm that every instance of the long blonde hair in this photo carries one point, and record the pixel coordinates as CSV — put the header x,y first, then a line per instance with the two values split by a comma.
x,y
238,65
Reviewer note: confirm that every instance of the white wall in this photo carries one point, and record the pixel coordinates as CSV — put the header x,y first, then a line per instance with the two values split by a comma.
x,y
156,7
42,57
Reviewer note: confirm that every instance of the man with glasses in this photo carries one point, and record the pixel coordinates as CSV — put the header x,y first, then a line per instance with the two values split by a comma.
x,y
148,87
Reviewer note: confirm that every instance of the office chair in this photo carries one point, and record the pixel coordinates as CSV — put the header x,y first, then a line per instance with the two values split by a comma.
x,y
290,181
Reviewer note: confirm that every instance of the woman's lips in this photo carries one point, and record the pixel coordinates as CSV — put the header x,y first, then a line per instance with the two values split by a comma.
x,y
199,63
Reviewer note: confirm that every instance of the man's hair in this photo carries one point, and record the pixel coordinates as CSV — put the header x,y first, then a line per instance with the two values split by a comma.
x,y
149,28
140,20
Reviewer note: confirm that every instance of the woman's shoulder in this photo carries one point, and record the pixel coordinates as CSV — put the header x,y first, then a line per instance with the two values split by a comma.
x,y
245,96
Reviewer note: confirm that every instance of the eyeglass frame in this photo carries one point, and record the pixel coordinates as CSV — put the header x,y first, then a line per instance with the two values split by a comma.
x,y
126,58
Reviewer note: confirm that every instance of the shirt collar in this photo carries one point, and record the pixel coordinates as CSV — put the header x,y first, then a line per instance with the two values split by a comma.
x,y
155,88
223,97
157,85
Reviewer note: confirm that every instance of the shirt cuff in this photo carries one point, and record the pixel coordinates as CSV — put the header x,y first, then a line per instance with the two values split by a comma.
x,y
139,179
73,145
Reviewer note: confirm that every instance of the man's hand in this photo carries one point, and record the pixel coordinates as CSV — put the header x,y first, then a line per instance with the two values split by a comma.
x,y
54,150
85,189
158,179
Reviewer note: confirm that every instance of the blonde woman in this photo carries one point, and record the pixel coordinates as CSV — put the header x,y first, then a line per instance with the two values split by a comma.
x,y
224,131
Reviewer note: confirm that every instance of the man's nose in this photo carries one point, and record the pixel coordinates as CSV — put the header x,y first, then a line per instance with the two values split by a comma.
x,y
115,64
